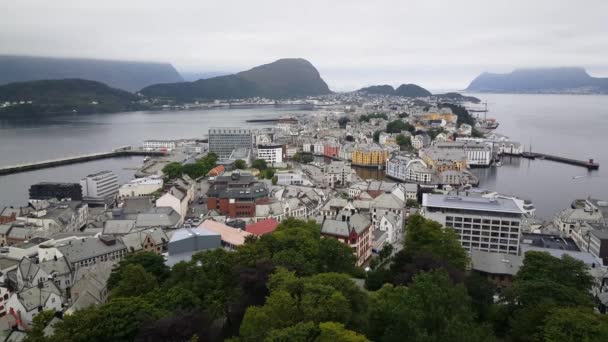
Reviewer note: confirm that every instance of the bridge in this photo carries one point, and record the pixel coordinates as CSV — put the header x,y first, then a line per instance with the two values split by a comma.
x,y
120,152
589,164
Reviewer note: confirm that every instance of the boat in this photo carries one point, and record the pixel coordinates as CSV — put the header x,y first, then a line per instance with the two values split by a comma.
x,y
498,164
489,123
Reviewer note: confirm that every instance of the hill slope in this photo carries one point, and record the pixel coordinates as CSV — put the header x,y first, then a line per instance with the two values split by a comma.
x,y
379,89
281,79
130,76
544,80
64,96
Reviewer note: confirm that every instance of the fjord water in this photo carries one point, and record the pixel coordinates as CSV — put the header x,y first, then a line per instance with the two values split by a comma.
x,y
569,125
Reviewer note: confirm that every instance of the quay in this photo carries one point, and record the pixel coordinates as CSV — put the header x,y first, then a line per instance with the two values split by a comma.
x,y
590,164
120,152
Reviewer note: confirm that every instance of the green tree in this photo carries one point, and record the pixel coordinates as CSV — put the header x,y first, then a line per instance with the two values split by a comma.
x,y
335,332
376,136
259,164
151,262
240,164
36,333
404,142
575,324
135,281
301,332
398,126
173,170
412,203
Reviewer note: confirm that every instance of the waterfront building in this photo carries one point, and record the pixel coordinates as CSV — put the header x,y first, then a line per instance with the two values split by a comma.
x,y
271,153
346,152
487,224
99,187
223,140
443,160
236,194
408,169
582,217
140,186
477,153
159,145
331,150
356,233
369,155
337,174
48,190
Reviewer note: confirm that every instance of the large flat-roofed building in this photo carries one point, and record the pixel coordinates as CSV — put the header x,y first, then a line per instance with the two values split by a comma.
x,y
223,140
271,153
477,153
236,194
487,224
48,190
99,187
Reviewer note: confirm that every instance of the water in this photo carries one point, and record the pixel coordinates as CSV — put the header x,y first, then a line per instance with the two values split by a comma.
x,y
568,125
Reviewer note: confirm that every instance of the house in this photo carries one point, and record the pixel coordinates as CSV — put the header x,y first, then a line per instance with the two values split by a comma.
x,y
392,224
176,198
411,191
216,171
153,240
498,268
288,178
187,241
27,303
421,141
58,270
384,204
159,217
65,216
337,174
90,287
356,233
262,227
231,237
236,194
140,186
84,252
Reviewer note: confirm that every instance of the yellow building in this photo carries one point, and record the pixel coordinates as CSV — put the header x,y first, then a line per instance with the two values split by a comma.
x,y
444,160
369,155
448,117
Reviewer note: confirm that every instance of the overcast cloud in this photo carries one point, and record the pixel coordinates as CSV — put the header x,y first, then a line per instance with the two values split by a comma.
x,y
437,44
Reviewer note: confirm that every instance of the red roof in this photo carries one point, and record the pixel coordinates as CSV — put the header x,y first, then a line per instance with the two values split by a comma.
x,y
216,171
262,227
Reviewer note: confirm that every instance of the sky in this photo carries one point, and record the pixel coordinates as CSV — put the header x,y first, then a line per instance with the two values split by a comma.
x,y
440,45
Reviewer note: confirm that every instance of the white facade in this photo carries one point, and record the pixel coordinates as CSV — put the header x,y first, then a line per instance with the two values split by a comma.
x,y
408,170
271,153
140,186
392,224
99,186
288,178
337,174
486,224
158,145
175,201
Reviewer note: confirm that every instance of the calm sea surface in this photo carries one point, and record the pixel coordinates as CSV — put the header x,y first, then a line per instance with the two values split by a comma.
x,y
570,125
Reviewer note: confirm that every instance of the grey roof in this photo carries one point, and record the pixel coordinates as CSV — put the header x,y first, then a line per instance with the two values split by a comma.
x,y
177,192
158,217
38,295
136,205
388,201
21,233
360,222
499,205
4,228
410,187
135,240
335,227
496,263
585,257
187,241
6,263
600,234
85,248
118,227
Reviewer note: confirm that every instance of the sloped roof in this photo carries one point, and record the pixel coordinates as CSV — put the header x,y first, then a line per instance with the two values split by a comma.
x,y
360,222
233,236
335,227
263,227
36,296
388,201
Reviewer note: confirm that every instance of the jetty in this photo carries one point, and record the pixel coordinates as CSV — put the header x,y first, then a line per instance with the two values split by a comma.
x,y
120,152
589,164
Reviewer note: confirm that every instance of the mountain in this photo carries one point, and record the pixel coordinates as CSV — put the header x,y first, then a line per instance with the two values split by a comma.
x,y
412,90
542,80
64,96
195,76
379,89
126,75
406,90
285,78
457,97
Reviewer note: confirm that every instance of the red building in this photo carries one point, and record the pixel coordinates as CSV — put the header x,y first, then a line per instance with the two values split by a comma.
x,y
331,150
236,195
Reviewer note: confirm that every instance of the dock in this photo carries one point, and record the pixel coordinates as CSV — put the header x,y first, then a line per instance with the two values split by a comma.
x,y
589,164
121,152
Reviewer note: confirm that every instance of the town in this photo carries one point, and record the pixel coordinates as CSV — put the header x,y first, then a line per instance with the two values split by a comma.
x,y
235,184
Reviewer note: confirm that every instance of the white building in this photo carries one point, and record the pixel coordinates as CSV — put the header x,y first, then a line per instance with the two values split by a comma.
x,y
141,186
478,153
487,224
392,224
420,141
177,199
159,145
27,303
288,178
337,174
408,169
101,186
271,153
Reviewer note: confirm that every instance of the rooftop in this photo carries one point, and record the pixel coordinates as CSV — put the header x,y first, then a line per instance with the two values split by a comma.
x,y
498,205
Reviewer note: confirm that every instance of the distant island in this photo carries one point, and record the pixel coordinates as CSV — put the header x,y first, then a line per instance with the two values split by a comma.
x,y
64,96
284,78
405,90
126,75
542,80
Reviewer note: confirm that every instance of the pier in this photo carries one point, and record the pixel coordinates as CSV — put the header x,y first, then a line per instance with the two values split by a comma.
x,y
590,164
120,152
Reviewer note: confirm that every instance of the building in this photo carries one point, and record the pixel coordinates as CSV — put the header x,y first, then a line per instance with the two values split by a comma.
x,y
487,224
27,303
498,268
411,191
408,169
48,190
262,227
331,150
288,178
159,217
141,186
159,145
152,240
99,187
271,153
477,153
369,155
83,252
60,217
223,140
421,141
243,154
443,160
177,199
231,237
337,174
356,233
392,224
236,194
598,244
387,138
187,241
